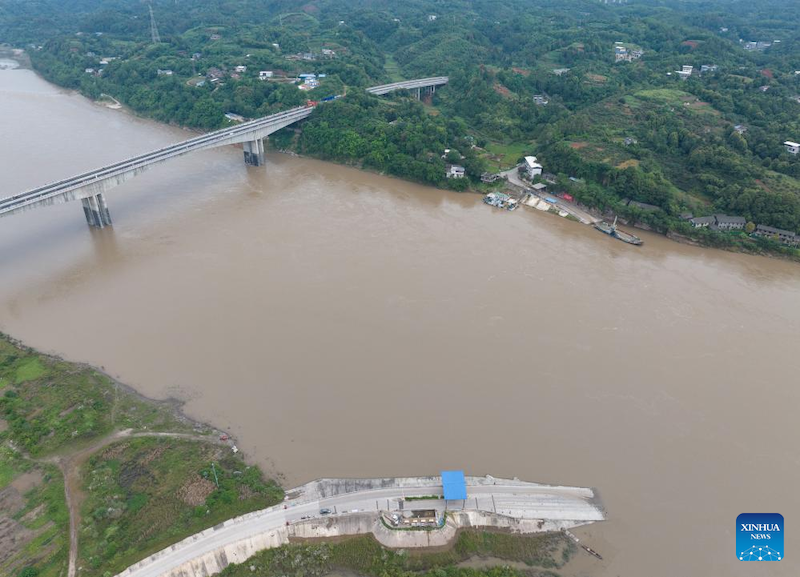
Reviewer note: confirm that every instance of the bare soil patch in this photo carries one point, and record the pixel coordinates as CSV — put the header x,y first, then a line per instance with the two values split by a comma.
x,y
27,481
627,163
502,90
578,145
13,535
11,500
152,454
114,451
196,491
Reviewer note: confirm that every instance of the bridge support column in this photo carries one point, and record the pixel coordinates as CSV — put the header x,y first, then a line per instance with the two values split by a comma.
x,y
96,211
254,152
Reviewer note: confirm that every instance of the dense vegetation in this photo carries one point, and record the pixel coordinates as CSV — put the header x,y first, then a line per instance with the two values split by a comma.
x,y
686,155
364,556
145,494
48,405
139,494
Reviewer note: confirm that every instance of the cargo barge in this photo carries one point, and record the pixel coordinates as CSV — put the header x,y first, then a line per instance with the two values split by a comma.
x,y
612,230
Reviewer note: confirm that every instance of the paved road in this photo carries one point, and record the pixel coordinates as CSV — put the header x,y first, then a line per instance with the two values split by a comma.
x,y
251,130
570,207
524,501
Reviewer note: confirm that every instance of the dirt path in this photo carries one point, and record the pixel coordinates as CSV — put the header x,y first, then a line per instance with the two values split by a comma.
x,y
70,466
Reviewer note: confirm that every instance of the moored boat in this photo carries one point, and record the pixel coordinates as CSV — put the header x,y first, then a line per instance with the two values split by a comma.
x,y
612,230
500,200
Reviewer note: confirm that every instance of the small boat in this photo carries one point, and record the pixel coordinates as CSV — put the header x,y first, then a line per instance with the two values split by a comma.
x,y
501,200
585,547
612,230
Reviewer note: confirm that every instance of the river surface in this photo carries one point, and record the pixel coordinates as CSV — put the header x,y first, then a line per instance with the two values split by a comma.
x,y
341,323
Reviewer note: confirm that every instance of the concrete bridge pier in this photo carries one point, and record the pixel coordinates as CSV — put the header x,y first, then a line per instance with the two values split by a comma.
x,y
254,152
96,211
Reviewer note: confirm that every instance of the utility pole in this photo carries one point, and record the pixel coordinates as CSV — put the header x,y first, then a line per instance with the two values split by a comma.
x,y
153,28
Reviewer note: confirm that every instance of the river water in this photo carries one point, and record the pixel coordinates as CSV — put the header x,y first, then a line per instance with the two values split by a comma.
x,y
341,323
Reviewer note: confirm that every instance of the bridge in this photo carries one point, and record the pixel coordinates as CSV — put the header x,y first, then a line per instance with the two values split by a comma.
x,y
89,187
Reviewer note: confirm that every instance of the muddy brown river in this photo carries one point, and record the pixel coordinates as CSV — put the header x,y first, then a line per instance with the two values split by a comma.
x,y
341,323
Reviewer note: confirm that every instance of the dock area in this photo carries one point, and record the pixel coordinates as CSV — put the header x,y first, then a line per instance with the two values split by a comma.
x,y
389,508
531,198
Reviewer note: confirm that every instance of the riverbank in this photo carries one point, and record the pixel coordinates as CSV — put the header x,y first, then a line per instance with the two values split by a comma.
x,y
591,215
531,556
105,496
707,239
218,283
17,55
73,442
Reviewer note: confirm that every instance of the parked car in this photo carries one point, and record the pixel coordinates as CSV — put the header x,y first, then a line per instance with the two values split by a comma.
x,y
324,511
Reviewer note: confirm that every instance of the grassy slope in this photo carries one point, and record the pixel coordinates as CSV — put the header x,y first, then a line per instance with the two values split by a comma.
x,y
145,487
35,515
364,556
146,493
55,405
505,156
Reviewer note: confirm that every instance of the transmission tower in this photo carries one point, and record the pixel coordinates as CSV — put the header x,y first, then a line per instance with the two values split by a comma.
x,y
153,28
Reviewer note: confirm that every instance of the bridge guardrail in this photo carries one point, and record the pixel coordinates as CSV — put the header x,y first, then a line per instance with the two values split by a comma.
x,y
53,189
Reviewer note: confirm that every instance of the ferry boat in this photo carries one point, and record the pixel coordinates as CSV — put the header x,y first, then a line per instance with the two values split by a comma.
x,y
501,200
612,230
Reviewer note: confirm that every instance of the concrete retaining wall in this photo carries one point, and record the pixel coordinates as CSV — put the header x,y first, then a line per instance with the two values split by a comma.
x,y
217,560
364,523
349,524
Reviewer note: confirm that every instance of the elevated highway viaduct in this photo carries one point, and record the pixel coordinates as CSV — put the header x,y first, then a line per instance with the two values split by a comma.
x,y
89,187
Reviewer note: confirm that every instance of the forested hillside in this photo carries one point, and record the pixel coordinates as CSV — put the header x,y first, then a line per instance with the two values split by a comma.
x,y
591,88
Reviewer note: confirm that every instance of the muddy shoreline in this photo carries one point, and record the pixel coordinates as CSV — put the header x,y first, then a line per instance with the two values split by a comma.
x,y
173,404
22,57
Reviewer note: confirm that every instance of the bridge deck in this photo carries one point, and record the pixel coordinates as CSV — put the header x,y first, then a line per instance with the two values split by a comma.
x,y
64,190
200,142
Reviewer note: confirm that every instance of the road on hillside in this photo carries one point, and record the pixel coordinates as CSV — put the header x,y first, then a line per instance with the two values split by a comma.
x,y
569,207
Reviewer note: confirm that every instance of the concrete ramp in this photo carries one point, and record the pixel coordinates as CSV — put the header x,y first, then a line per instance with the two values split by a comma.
x,y
329,508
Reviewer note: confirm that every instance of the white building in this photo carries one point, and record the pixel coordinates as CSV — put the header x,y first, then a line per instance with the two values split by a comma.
x,y
431,17
685,72
792,147
241,69
265,74
163,72
455,171
532,167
